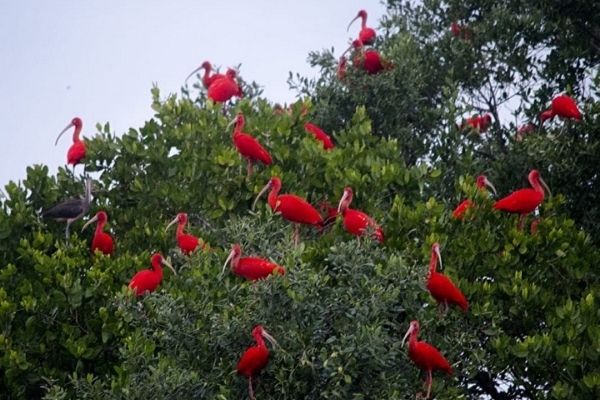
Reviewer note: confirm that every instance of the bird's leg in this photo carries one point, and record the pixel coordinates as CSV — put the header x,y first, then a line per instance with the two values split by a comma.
x,y
67,230
521,221
249,168
429,381
296,235
250,390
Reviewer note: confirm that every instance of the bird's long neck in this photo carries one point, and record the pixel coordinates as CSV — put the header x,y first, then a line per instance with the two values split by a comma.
x,y
412,339
100,227
260,341
207,71
180,228
432,264
537,186
272,199
363,23
156,267
88,197
76,133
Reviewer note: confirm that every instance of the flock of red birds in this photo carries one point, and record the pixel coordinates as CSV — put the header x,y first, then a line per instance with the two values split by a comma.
x,y
221,88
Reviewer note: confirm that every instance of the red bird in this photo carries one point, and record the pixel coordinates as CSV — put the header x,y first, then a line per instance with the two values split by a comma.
x,y
207,78
319,135
427,357
546,115
440,286
77,150
223,89
102,240
251,268
186,242
461,209
247,145
366,35
357,222
455,28
369,60
524,201
148,280
291,207
255,358
564,106
478,123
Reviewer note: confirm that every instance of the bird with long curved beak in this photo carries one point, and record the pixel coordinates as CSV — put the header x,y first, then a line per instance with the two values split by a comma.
x,y
357,222
441,287
256,357
77,150
147,280
72,209
247,145
101,241
366,35
251,268
187,243
460,210
425,356
207,78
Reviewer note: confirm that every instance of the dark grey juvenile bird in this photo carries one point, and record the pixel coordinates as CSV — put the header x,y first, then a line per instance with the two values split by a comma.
x,y
72,209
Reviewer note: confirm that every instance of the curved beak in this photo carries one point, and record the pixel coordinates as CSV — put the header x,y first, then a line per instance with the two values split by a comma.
x,y
351,22
545,186
193,72
270,338
231,123
342,200
489,184
63,131
229,257
408,332
262,191
171,223
91,221
439,256
168,264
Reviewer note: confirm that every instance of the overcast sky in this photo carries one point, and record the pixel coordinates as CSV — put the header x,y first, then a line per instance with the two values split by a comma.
x,y
98,59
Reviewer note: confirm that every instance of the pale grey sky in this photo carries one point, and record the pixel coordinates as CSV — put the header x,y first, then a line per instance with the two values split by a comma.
x,y
98,59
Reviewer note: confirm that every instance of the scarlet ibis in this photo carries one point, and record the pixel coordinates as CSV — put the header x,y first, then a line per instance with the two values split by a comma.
x,y
565,107
251,268
223,89
524,201
256,357
147,280
546,115
77,150
425,356
102,241
369,60
455,28
291,207
186,242
440,286
461,209
357,222
366,35
207,78
247,145
479,123
72,209
319,135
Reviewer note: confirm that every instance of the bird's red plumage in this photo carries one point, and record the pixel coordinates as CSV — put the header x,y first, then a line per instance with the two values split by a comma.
x,y
357,222
249,147
444,291
319,135
223,89
76,152
565,106
253,268
145,281
372,62
187,243
367,35
253,360
295,209
522,201
461,209
102,241
427,357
